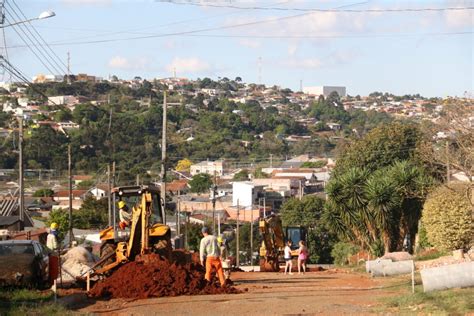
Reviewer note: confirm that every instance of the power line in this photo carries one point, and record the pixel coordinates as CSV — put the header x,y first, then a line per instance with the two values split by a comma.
x,y
58,61
230,6
362,36
202,30
32,38
31,46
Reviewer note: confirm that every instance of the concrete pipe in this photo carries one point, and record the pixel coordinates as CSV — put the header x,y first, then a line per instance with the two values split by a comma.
x,y
387,268
374,263
446,277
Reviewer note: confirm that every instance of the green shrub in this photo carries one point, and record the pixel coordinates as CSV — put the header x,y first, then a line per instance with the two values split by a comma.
x,y
342,251
447,217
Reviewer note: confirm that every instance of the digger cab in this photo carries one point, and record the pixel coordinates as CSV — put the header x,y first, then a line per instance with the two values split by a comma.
x,y
132,196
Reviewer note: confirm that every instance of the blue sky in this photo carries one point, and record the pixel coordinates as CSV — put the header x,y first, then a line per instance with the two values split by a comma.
x,y
428,52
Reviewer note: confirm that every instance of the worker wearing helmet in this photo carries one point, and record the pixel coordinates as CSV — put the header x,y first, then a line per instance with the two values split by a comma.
x,y
222,246
124,214
52,239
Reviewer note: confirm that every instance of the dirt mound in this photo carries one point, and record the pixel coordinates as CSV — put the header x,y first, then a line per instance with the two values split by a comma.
x,y
152,276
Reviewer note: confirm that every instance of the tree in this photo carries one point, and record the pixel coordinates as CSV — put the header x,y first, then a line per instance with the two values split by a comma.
x,y
184,165
308,213
260,174
377,209
242,175
92,214
200,183
447,217
450,142
43,192
379,148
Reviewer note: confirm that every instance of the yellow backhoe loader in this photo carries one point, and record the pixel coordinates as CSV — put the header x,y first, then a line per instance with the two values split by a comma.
x,y
274,237
146,231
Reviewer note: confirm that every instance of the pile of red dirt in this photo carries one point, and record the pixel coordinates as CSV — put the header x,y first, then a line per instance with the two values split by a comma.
x,y
152,276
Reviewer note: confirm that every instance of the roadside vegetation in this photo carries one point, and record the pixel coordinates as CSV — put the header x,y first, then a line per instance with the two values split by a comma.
x,y
447,302
29,302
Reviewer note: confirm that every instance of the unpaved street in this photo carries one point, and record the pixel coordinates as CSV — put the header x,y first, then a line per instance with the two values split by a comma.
x,y
326,292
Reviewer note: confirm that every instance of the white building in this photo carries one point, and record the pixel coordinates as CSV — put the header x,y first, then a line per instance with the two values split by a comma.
x,y
219,167
245,194
325,90
62,100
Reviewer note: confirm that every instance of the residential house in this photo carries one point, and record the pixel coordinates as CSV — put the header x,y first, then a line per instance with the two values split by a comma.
x,y
99,191
178,187
246,194
218,167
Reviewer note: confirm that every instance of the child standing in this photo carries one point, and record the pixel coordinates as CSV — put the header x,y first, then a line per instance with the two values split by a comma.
x,y
302,257
287,255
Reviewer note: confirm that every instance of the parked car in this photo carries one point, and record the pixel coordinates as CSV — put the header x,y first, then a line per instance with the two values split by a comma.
x,y
23,263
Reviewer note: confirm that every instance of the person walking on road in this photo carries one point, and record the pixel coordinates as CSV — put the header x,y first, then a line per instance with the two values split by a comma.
x,y
209,254
287,256
302,257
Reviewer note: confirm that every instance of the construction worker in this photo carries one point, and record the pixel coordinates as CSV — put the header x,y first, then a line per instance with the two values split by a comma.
x,y
52,239
124,214
209,252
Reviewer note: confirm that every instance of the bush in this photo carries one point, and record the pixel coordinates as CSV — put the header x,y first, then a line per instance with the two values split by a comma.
x,y
342,251
447,217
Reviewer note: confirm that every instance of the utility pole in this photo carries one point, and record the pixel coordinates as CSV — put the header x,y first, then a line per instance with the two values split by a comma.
x,y
251,237
68,68
163,159
109,195
237,262
264,208
448,171
70,192
178,220
271,160
20,167
214,192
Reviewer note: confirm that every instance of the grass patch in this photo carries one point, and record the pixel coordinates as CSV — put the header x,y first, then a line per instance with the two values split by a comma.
x,y
29,302
430,255
452,301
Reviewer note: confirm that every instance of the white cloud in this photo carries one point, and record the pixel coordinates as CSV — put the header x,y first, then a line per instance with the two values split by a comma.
x,y
123,63
188,65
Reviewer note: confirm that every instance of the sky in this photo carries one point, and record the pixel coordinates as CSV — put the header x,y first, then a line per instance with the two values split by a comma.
x,y
276,42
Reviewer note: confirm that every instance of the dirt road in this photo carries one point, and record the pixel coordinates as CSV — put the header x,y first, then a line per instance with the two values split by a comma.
x,y
328,292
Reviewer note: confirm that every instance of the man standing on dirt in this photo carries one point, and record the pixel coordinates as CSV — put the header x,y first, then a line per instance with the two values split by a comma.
x,y
210,253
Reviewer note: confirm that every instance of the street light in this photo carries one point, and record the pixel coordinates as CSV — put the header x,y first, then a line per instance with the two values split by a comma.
x,y
44,15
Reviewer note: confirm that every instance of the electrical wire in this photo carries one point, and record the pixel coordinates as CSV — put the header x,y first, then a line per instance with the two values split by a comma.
x,y
31,47
46,56
135,30
230,6
56,60
20,76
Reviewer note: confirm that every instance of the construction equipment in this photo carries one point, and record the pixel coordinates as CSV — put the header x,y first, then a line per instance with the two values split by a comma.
x,y
273,242
147,232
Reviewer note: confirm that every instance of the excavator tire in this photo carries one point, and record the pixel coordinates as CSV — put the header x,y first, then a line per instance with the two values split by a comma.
x,y
106,248
269,265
